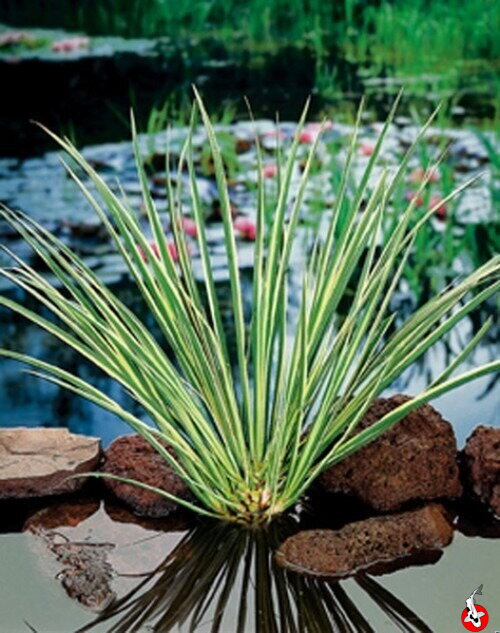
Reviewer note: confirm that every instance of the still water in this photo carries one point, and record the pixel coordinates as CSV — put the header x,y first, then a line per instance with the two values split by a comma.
x,y
222,579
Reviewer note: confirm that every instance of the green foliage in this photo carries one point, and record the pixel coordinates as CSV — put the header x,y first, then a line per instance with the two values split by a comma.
x,y
419,36
401,33
249,441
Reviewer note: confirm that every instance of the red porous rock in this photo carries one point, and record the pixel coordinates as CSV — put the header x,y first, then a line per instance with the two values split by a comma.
x,y
36,462
481,465
414,460
133,457
365,543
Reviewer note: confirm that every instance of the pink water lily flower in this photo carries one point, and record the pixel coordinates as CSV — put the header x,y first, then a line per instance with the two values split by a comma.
x,y
171,247
246,228
269,171
173,252
412,196
441,207
418,174
307,137
14,37
312,130
154,248
70,44
274,134
366,149
316,127
189,227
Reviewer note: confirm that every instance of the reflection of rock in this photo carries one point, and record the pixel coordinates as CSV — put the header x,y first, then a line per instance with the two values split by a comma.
x,y
178,522
365,543
475,519
86,575
67,514
481,465
415,459
133,457
93,554
71,513
36,462
226,576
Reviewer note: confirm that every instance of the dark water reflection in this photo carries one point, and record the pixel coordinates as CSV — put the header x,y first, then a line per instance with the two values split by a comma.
x,y
222,578
190,576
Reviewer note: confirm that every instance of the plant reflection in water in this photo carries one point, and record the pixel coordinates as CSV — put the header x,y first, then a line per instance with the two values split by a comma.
x,y
224,578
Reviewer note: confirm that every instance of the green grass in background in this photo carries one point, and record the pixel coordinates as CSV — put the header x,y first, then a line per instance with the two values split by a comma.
x,y
405,34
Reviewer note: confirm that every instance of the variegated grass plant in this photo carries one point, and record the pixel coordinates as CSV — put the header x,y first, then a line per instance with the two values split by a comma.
x,y
250,440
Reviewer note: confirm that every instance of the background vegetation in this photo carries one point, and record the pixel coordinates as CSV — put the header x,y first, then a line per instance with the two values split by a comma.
x,y
408,35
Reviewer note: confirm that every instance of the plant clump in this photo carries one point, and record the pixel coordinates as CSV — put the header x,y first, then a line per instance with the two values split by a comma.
x,y
251,422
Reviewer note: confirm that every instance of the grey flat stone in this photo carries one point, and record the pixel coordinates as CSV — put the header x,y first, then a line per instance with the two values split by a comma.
x,y
35,462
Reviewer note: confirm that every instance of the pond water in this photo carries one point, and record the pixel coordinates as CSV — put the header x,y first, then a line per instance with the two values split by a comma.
x,y
223,579
87,93
179,574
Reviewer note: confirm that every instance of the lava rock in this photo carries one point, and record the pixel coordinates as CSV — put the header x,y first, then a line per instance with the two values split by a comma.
x,y
481,465
133,457
365,543
414,460
36,462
